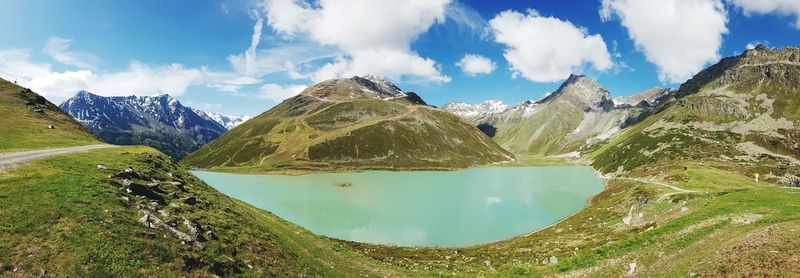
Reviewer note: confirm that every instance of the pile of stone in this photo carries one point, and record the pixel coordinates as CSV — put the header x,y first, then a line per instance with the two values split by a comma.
x,y
149,198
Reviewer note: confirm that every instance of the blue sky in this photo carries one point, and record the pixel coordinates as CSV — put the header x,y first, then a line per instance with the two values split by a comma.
x,y
209,54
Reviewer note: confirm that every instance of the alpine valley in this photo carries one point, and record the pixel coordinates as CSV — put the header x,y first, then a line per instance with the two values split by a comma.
x,y
700,181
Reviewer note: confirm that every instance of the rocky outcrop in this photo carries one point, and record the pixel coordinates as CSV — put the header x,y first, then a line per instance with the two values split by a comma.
x,y
149,200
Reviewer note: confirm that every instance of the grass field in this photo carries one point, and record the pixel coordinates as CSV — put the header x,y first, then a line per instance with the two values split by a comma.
x,y
65,216
25,120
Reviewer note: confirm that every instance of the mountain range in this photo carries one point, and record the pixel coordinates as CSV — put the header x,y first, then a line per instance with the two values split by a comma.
x,y
680,196
742,113
157,121
578,114
358,122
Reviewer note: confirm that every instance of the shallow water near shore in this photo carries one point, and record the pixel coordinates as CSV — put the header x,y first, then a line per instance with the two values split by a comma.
x,y
420,208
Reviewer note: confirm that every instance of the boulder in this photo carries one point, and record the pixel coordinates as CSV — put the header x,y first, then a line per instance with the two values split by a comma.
x,y
211,235
144,191
193,231
190,200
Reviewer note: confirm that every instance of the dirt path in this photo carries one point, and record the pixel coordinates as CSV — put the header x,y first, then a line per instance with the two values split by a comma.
x,y
10,159
681,190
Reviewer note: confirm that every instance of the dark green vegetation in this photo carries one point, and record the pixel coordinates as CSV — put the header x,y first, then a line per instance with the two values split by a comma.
x,y
65,217
350,124
25,117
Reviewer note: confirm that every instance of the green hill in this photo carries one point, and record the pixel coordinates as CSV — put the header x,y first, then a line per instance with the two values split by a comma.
x,y
741,114
66,217
351,123
26,117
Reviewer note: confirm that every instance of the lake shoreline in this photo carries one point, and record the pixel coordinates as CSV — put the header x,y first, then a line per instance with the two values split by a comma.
x,y
477,199
529,161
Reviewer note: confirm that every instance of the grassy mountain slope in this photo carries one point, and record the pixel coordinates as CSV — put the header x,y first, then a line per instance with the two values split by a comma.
x,y
740,114
25,120
726,225
67,217
63,216
343,123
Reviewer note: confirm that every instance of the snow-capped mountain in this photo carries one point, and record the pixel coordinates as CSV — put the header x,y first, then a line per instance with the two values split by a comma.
x,y
228,121
471,111
157,121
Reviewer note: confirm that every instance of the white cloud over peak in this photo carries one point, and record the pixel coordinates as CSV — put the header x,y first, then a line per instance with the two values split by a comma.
x,y
371,37
58,49
680,37
547,49
780,7
278,93
474,65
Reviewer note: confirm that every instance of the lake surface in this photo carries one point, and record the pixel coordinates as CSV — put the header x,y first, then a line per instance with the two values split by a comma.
x,y
423,208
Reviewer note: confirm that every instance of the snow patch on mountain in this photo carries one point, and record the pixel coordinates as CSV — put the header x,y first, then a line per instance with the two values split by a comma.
x,y
228,121
486,108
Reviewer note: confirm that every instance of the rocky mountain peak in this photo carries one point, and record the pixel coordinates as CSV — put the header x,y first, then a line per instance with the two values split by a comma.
x,y
356,87
582,90
647,98
754,64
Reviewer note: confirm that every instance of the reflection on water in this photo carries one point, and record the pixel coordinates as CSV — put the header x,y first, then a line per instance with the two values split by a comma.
x,y
422,208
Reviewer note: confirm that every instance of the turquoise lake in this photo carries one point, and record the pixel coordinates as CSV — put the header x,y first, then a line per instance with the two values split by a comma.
x,y
421,208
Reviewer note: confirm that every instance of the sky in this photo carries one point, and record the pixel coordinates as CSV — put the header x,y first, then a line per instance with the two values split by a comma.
x,y
244,56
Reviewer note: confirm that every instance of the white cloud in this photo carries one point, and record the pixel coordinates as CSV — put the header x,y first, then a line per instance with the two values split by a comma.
x,y
753,44
474,65
58,49
680,37
547,49
780,7
137,79
16,64
282,58
372,37
467,17
278,93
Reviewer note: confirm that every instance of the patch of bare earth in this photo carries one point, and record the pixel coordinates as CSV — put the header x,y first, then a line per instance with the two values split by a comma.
x,y
772,251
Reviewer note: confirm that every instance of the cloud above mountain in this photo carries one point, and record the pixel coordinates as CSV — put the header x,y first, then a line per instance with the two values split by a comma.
x,y
679,37
474,65
779,7
547,49
369,36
